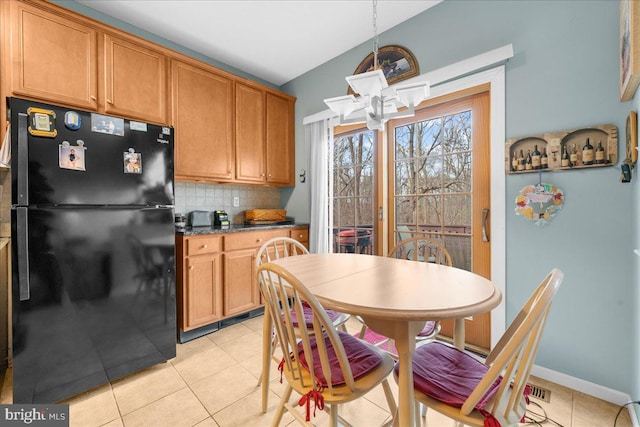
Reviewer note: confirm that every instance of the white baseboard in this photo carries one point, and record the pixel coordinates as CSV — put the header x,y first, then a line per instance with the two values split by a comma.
x,y
586,387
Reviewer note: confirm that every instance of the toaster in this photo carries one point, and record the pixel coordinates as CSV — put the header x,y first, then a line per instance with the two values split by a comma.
x,y
199,219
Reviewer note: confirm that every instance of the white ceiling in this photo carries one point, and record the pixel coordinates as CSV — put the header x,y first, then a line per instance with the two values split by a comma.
x,y
275,40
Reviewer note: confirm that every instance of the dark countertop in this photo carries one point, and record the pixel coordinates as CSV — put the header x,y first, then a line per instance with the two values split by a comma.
x,y
233,228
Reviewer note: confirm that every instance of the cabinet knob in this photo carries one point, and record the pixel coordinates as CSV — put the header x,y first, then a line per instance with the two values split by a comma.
x,y
109,101
261,174
204,246
93,98
191,267
258,240
300,236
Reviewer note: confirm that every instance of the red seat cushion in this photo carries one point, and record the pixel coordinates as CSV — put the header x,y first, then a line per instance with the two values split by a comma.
x,y
308,315
447,374
361,358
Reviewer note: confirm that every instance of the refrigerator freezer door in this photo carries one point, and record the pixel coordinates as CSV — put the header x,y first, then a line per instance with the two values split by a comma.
x,y
133,169
102,299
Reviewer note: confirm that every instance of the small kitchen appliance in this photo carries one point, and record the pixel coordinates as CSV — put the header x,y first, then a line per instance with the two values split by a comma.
x,y
199,219
220,218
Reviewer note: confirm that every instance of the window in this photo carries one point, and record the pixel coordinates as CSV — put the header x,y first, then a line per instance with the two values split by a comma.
x,y
354,194
432,164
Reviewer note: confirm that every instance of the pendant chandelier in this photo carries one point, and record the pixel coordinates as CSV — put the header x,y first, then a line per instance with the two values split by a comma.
x,y
377,101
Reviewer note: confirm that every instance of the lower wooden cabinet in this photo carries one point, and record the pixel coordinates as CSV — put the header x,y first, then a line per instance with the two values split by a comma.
x,y
204,296
216,274
241,291
199,292
301,234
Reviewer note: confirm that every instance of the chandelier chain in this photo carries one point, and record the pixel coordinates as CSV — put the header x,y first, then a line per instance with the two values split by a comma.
x,y
375,35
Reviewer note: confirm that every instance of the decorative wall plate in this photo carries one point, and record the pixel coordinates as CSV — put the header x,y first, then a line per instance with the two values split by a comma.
x,y
396,62
539,202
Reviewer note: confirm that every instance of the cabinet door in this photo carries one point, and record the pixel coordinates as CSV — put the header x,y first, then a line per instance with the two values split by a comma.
x,y
250,104
203,121
54,58
203,291
280,140
240,285
135,81
301,235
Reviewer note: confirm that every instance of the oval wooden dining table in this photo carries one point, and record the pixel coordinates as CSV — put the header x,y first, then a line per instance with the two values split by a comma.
x,y
395,298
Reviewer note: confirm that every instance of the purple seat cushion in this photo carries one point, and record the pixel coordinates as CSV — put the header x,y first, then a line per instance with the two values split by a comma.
x,y
308,315
447,374
361,358
428,329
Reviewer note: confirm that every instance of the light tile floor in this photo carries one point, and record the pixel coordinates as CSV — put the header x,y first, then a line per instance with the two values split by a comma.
x,y
212,383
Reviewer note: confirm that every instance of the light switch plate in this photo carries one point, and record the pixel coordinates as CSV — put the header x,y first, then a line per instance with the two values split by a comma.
x,y
236,202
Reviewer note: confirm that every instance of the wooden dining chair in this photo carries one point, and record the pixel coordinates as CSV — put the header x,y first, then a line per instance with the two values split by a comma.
x,y
421,249
276,248
492,392
324,365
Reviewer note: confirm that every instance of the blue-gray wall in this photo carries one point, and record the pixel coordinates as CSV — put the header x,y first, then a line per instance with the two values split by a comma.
x,y
564,75
634,329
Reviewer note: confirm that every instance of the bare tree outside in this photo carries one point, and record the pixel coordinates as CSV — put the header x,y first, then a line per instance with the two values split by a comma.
x,y
354,191
433,182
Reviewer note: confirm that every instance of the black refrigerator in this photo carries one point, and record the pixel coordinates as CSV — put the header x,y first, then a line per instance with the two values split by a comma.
x,y
93,249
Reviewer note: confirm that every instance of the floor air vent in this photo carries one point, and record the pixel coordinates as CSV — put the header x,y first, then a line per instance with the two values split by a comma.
x,y
540,393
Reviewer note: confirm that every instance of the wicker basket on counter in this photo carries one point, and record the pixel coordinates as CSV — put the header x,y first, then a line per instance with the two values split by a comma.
x,y
265,215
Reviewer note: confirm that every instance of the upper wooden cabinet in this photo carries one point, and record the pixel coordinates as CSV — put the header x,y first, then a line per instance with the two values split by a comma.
x,y
227,128
280,141
250,133
203,120
53,58
264,136
59,57
135,81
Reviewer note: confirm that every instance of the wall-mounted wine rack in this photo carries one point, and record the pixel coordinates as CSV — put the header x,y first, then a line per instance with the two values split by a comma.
x,y
571,144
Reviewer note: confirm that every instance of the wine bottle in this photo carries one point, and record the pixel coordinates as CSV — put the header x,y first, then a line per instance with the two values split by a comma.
x,y
587,153
565,162
573,157
521,161
599,154
514,162
544,159
528,162
535,158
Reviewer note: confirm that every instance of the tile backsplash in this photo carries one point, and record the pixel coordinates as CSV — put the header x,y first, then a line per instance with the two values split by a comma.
x,y
191,196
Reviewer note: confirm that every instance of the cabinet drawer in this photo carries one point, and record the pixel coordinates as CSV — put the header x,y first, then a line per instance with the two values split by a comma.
x,y
251,239
301,234
203,245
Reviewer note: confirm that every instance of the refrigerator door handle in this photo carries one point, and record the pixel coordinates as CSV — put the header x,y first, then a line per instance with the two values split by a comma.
x,y
23,160
23,252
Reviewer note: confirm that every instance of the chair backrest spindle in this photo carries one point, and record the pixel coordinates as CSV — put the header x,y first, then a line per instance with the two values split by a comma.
x,y
513,356
284,294
422,249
